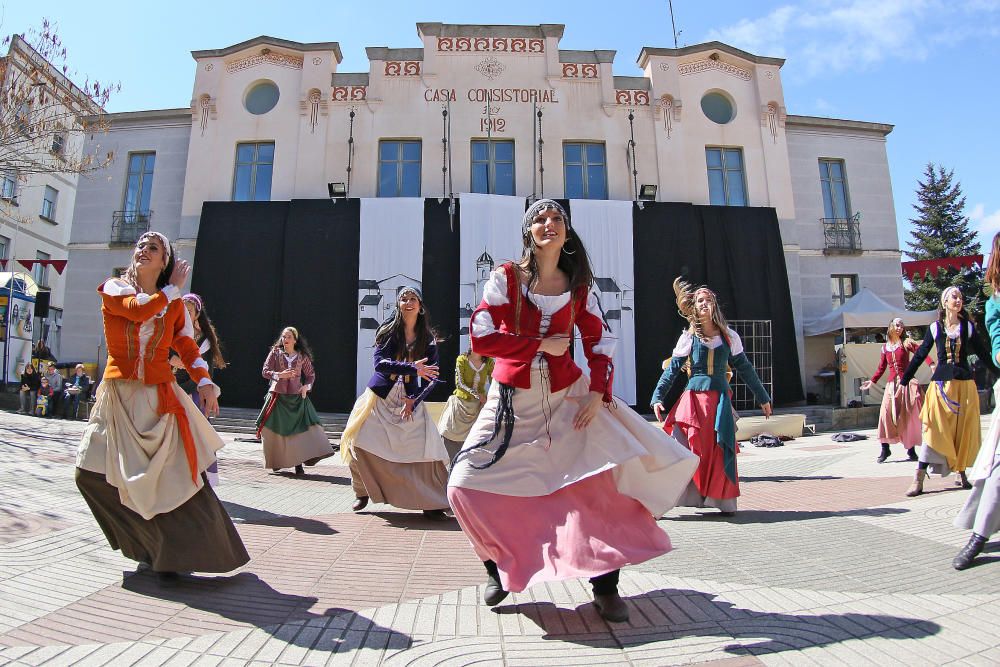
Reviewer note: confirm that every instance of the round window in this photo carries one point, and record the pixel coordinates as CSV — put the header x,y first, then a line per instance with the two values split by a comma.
x,y
718,108
261,98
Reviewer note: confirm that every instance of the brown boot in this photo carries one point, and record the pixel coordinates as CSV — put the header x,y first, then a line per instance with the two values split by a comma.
x,y
918,484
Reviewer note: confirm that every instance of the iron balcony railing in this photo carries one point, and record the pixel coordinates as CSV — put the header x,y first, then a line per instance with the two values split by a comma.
x,y
842,235
128,226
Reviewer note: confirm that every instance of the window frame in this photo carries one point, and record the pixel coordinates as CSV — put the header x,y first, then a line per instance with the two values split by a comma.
x,y
399,162
725,171
584,168
826,177
253,164
142,175
4,246
40,272
9,177
491,162
49,212
840,277
58,147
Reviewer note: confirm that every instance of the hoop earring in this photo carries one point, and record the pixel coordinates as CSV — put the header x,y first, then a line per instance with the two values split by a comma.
x,y
568,252
421,311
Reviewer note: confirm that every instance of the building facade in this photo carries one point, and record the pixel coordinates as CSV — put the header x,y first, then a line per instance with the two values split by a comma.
x,y
497,110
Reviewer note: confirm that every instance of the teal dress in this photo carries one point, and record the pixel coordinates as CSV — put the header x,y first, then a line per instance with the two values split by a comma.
x,y
703,416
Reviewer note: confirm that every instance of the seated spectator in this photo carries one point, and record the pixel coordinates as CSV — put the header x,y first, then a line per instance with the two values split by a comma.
x,y
43,402
76,389
30,382
56,383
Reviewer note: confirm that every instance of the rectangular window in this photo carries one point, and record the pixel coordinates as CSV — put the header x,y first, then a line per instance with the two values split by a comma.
x,y
833,181
4,247
399,168
40,272
254,168
493,167
585,171
58,143
8,189
49,200
726,183
843,288
139,183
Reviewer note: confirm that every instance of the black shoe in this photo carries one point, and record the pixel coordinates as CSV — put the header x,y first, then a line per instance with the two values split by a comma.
x,y
911,453
963,481
300,471
435,515
359,503
969,552
611,607
884,455
494,593
727,513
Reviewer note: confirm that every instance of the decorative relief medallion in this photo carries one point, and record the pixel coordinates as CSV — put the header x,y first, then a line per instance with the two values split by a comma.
x,y
402,68
709,64
632,97
665,67
203,109
315,106
769,74
267,57
487,44
349,93
209,67
490,67
579,71
317,61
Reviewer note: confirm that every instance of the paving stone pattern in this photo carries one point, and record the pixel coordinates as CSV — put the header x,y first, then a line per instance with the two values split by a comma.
x,y
826,563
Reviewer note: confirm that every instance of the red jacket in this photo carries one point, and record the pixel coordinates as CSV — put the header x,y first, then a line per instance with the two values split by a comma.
x,y
515,338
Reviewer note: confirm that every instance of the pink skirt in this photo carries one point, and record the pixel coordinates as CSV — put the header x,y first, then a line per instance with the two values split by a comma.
x,y
899,418
585,529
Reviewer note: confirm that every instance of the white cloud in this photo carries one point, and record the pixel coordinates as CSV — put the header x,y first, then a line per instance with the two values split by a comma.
x,y
830,36
985,223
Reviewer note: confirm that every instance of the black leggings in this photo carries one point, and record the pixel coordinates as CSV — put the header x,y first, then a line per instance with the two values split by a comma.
x,y
604,584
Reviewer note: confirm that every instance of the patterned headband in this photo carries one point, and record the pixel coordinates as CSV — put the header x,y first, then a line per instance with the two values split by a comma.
x,y
163,239
295,332
537,208
947,291
194,299
411,290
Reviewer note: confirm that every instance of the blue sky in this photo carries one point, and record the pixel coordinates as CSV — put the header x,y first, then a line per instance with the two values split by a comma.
x,y
927,66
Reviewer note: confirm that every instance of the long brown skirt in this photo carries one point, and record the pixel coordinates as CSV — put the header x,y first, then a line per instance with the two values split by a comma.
x,y
420,485
198,536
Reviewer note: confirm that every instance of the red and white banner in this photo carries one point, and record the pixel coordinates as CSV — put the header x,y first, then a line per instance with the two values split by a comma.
x,y
919,268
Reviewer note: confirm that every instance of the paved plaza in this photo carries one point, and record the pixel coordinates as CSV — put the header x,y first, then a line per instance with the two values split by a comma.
x,y
826,563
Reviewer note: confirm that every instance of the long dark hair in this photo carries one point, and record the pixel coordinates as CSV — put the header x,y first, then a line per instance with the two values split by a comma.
x,y
215,358
131,275
395,329
301,345
573,260
993,268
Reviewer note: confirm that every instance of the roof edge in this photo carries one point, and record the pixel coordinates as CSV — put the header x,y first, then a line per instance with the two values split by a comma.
x,y
270,41
648,51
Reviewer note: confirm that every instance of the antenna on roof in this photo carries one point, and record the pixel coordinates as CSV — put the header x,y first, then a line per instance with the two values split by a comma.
x,y
673,25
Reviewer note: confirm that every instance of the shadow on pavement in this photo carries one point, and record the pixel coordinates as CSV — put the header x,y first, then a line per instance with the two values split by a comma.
x,y
315,477
244,514
777,516
415,521
247,600
696,614
787,478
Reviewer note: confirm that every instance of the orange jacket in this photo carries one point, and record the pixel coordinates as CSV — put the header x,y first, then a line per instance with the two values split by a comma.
x,y
127,315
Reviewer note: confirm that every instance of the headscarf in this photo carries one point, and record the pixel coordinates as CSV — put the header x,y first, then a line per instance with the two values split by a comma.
x,y
947,291
163,239
542,205
411,290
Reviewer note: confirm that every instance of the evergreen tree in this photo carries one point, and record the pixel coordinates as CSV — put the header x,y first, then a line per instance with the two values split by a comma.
x,y
941,229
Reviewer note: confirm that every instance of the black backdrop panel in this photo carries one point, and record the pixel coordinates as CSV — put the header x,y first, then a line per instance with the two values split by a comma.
x,y
319,292
441,281
737,251
238,271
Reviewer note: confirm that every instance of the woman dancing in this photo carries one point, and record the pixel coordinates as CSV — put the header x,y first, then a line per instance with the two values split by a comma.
x,y
950,414
556,480
392,446
142,459
288,425
472,374
703,416
899,418
211,351
981,513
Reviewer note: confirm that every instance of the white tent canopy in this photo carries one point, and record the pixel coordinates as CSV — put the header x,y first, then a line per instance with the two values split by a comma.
x,y
865,309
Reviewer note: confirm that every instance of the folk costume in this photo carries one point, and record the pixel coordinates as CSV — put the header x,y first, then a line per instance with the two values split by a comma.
x,y
464,404
399,462
981,512
143,455
899,416
703,418
950,414
288,426
539,500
